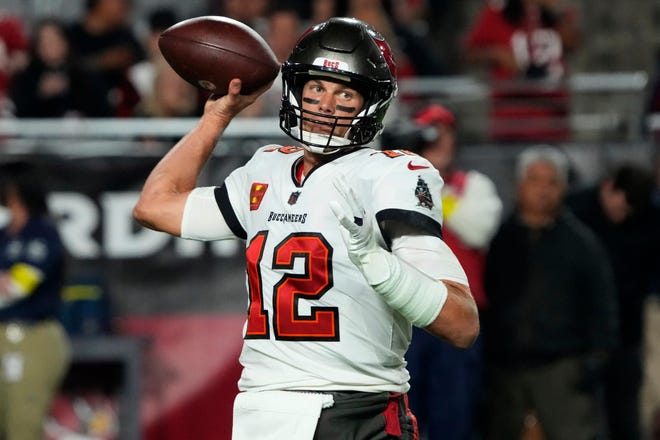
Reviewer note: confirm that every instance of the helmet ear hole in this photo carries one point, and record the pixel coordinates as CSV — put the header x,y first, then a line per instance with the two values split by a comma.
x,y
346,50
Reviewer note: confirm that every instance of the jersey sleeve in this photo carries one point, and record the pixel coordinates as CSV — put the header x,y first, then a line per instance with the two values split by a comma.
x,y
233,199
202,218
431,256
410,193
218,213
238,194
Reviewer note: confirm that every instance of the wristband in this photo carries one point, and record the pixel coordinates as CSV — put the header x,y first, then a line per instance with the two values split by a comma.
x,y
416,296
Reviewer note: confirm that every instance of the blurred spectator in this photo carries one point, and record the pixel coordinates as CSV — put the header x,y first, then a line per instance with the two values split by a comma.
x,y
552,316
252,12
651,412
652,104
171,96
52,86
143,73
619,210
413,37
374,13
34,348
13,55
284,26
103,42
656,189
445,381
322,10
524,44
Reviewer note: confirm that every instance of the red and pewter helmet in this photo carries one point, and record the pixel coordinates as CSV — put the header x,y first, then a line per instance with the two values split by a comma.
x,y
348,51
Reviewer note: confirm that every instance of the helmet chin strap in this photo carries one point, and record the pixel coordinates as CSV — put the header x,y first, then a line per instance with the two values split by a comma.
x,y
308,140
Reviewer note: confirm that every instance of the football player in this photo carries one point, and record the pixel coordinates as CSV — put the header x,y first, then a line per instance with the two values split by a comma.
x,y
343,244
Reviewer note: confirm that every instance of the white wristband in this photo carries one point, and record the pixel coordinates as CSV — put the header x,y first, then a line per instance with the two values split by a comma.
x,y
416,296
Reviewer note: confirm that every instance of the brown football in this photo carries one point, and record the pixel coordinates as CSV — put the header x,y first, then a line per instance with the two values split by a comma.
x,y
210,51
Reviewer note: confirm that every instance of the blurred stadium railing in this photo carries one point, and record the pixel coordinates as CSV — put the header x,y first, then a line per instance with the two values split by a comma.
x,y
607,122
604,107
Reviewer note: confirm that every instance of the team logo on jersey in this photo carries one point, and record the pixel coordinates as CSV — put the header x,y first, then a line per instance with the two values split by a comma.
x,y
286,217
423,194
257,193
293,198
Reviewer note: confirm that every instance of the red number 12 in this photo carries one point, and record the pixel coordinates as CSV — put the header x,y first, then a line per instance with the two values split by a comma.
x,y
322,323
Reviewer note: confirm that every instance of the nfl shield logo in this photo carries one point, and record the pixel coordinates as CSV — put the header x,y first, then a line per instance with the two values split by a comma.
x,y
293,198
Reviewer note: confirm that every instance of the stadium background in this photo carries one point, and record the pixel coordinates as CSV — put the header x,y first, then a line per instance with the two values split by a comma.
x,y
177,306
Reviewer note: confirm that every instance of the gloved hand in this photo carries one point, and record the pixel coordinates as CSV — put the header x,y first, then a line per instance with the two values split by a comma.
x,y
363,250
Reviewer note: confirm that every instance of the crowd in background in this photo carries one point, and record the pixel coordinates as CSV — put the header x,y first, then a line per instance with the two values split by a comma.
x,y
561,281
115,69
521,48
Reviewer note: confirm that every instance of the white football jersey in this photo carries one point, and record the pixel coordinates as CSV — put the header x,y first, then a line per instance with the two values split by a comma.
x,y
313,321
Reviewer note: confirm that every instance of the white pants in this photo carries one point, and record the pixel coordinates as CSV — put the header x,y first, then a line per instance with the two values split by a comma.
x,y
277,415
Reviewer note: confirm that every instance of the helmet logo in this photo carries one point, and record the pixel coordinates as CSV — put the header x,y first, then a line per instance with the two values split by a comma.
x,y
332,64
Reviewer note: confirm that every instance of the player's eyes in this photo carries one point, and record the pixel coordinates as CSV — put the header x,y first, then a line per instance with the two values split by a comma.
x,y
347,96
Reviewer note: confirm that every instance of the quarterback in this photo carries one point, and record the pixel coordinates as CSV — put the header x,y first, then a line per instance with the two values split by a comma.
x,y
344,246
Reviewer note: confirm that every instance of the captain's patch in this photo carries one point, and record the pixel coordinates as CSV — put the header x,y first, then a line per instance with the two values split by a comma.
x,y
257,192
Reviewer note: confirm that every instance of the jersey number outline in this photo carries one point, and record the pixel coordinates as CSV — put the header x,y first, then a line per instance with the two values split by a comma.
x,y
322,324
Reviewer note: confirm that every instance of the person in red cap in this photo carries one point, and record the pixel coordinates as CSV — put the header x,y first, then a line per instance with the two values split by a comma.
x,y
445,381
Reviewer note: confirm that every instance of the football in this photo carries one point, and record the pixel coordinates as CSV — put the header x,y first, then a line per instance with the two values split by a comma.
x,y
210,51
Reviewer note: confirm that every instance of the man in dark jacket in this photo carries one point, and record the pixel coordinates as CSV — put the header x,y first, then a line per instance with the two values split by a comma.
x,y
619,210
552,309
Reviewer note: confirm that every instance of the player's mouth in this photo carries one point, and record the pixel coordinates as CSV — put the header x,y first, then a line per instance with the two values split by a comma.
x,y
323,129
319,127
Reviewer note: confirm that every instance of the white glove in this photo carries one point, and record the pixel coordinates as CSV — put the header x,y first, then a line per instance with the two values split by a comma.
x,y
363,250
416,296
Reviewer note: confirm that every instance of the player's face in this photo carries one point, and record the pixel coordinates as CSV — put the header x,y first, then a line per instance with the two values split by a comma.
x,y
333,99
541,190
